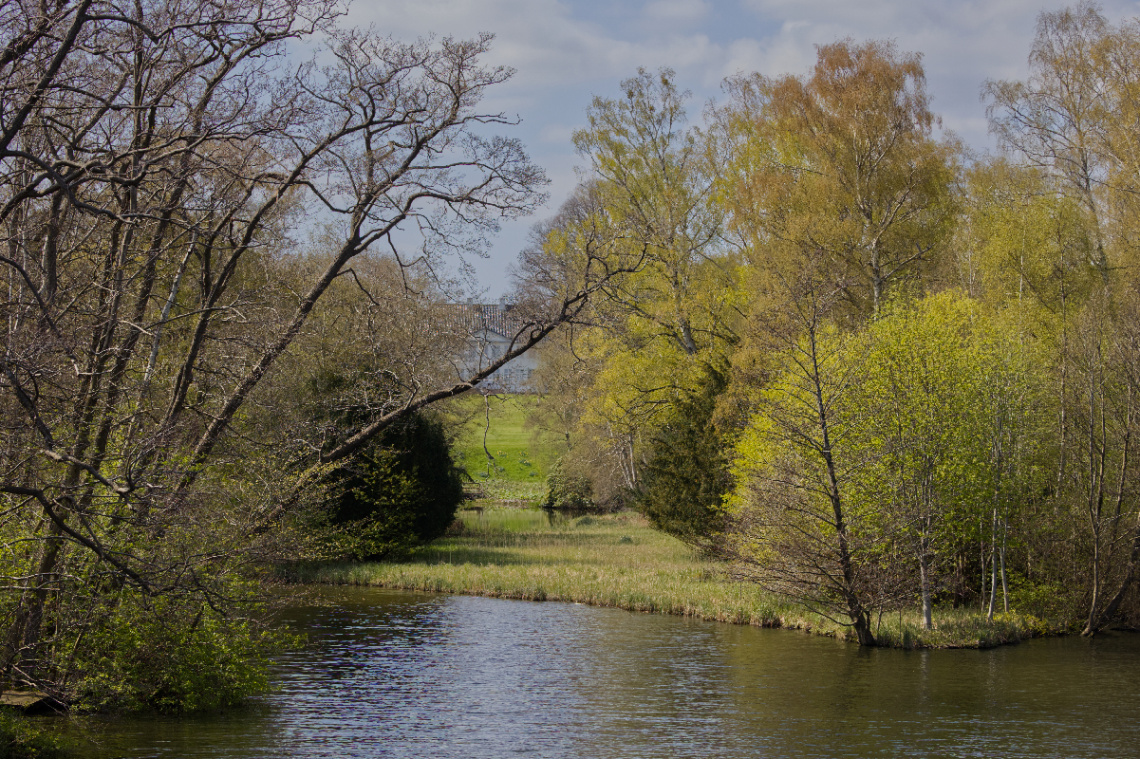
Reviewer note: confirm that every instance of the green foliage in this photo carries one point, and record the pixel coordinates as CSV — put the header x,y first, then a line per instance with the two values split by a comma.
x,y
402,491
841,167
949,432
173,655
1026,240
23,738
566,491
648,198
682,486
935,434
921,391
794,527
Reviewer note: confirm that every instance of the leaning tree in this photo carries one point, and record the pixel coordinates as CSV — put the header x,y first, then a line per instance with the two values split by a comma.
x,y
158,162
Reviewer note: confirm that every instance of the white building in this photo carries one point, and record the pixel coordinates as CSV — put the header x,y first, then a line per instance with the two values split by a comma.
x,y
492,329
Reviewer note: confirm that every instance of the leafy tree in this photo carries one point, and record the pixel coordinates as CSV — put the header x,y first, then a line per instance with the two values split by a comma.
x,y
841,166
1073,118
795,523
647,192
1055,118
934,448
1012,415
654,186
154,163
916,394
946,429
1023,242
566,491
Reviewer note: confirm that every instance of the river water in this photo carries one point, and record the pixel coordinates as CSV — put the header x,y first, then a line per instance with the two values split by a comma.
x,y
392,674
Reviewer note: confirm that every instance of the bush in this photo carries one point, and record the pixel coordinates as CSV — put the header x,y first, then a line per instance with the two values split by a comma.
x,y
567,492
173,654
682,487
22,738
402,491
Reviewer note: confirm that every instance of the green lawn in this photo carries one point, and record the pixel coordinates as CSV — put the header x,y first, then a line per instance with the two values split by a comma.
x,y
519,459
619,560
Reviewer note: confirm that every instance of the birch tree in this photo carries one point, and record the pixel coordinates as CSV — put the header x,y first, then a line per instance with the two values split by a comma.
x,y
1073,119
794,526
842,165
648,183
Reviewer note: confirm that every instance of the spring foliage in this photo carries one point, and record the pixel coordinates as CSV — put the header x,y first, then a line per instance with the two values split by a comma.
x,y
933,359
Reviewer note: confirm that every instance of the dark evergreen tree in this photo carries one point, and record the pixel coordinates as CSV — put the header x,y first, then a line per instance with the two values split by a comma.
x,y
401,491
682,486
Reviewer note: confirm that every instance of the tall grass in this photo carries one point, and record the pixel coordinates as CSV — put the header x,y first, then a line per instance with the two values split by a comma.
x,y
609,560
618,560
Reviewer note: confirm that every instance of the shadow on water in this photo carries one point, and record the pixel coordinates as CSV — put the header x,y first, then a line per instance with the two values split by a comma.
x,y
392,674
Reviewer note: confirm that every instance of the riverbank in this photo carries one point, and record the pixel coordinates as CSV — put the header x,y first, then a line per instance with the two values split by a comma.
x,y
619,561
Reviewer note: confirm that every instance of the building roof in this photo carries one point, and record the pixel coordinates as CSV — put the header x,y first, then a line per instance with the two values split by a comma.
x,y
473,318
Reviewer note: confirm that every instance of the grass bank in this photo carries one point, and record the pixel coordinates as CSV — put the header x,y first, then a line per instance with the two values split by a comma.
x,y
619,561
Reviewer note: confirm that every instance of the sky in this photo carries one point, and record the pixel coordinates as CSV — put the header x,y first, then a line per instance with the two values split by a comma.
x,y
565,52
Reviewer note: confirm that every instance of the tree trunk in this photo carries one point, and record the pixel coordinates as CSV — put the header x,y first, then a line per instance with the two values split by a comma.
x,y
993,567
924,576
1001,556
1099,620
860,618
1095,501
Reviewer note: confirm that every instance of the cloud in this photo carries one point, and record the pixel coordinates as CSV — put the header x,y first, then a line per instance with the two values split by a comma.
x,y
676,11
963,42
566,51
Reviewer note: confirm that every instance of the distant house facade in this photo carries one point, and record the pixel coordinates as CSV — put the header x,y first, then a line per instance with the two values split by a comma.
x,y
491,328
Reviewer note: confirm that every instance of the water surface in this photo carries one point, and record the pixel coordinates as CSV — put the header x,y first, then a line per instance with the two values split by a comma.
x,y
393,674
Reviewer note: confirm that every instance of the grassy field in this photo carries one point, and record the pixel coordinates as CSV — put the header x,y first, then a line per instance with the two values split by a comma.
x,y
517,468
619,561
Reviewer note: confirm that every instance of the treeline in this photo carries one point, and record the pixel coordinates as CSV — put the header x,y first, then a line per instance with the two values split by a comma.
x,y
874,370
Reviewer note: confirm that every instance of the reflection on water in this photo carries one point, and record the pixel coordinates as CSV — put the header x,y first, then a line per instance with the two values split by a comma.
x,y
392,674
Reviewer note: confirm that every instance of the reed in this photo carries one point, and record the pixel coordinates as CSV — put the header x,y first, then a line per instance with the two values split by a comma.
x,y
619,561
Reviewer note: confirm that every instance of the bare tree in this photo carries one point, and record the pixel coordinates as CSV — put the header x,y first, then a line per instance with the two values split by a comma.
x,y
157,163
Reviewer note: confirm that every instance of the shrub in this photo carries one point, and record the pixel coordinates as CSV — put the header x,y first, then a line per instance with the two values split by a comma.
x,y
22,738
173,654
402,491
567,491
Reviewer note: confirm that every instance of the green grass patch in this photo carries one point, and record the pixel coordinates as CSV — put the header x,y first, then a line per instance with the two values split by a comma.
x,y
488,491
961,628
617,560
607,560
519,458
